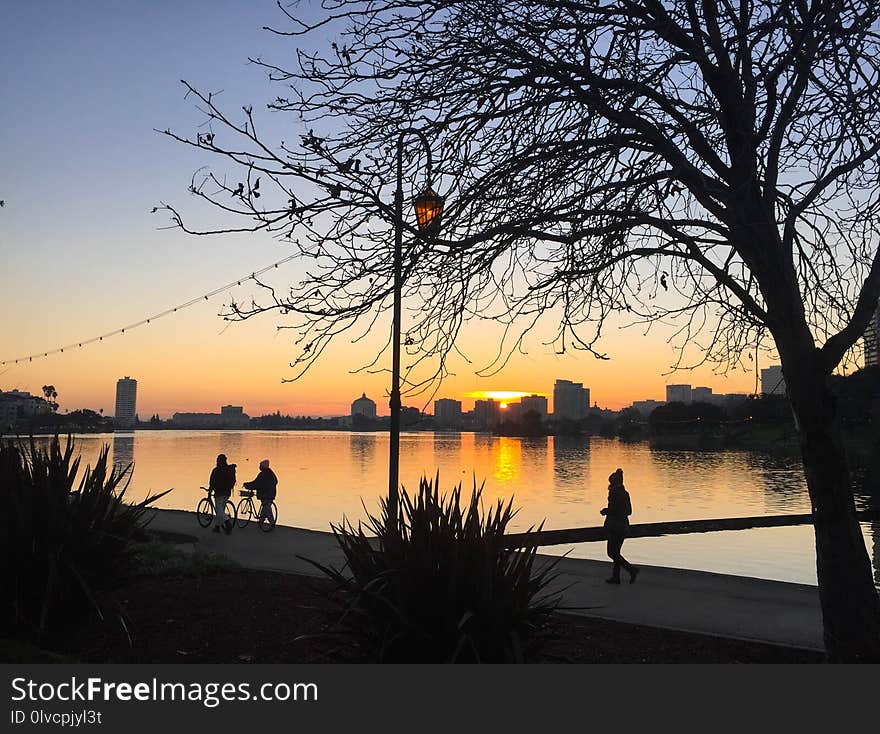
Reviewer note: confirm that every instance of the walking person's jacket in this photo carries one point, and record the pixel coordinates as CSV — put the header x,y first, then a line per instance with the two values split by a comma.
x,y
222,479
619,508
265,484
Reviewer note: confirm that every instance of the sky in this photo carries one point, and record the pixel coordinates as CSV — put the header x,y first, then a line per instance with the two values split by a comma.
x,y
84,88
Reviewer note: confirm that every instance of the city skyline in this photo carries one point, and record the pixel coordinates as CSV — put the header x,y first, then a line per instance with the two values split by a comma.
x,y
127,387
86,375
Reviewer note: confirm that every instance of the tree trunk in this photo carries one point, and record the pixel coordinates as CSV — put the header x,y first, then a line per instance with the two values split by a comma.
x,y
850,605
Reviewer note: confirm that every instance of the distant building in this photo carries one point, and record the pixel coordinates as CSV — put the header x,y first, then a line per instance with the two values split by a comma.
x,y
487,414
196,420
16,404
409,416
645,407
8,415
230,416
233,416
363,406
513,412
678,394
25,404
538,404
872,339
571,400
701,395
126,402
447,413
772,381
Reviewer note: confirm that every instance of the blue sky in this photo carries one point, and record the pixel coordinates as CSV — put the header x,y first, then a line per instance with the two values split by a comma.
x,y
83,88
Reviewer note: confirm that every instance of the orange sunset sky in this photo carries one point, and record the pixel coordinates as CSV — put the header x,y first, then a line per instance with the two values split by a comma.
x,y
194,361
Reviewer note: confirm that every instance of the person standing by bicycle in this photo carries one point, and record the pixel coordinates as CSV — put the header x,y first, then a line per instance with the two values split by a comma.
x,y
265,485
221,483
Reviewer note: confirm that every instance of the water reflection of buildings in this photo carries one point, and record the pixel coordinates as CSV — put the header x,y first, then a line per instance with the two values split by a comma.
x,y
867,494
875,551
362,449
123,449
447,449
535,456
571,465
232,444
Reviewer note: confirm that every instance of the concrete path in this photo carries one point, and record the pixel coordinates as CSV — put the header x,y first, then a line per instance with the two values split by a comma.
x,y
692,601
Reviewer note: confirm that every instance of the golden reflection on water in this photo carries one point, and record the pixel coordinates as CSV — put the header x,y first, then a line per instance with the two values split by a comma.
x,y
507,460
560,481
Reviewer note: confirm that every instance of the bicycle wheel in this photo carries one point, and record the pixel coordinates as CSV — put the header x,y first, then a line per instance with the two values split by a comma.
x,y
231,512
266,524
205,512
245,512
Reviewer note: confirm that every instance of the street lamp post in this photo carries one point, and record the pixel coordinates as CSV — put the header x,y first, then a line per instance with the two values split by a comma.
x,y
428,207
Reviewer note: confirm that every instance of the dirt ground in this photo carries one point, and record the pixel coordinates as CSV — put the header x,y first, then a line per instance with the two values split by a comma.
x,y
235,615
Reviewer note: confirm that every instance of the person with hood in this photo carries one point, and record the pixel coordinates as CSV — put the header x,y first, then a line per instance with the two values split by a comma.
x,y
221,483
617,526
265,484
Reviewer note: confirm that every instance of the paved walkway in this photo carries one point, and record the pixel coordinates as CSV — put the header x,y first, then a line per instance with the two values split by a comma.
x,y
693,601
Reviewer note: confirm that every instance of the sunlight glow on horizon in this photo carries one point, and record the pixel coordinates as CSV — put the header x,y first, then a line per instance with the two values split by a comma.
x,y
504,395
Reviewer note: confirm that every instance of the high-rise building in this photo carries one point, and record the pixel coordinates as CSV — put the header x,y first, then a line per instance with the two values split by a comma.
x,y
447,413
512,412
537,404
364,406
872,339
772,381
126,402
678,394
487,414
571,400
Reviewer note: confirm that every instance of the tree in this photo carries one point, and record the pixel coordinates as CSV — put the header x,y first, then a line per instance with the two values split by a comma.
x,y
712,164
682,417
49,393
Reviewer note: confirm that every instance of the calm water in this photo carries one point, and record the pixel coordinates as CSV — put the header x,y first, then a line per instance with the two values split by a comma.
x,y
325,476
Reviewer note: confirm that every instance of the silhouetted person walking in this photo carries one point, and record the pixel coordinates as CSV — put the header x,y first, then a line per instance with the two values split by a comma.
x,y
617,526
221,483
265,485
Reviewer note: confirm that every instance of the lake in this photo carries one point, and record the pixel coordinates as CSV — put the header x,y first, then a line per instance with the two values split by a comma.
x,y
560,481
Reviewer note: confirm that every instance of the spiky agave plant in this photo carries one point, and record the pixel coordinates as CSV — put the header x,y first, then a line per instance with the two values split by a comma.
x,y
443,587
65,546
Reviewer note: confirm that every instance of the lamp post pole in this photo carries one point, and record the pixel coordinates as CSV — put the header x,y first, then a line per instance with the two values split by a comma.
x,y
394,450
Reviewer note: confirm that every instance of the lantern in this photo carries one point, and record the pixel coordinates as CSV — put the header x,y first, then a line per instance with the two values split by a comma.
x,y
429,208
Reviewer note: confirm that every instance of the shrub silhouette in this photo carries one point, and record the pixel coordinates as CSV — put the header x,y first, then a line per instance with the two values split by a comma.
x,y
445,589
64,549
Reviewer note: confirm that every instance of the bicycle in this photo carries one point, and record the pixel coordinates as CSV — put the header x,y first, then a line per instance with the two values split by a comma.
x,y
247,511
205,510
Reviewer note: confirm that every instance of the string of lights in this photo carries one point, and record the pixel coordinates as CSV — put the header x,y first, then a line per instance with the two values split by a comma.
x,y
147,320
